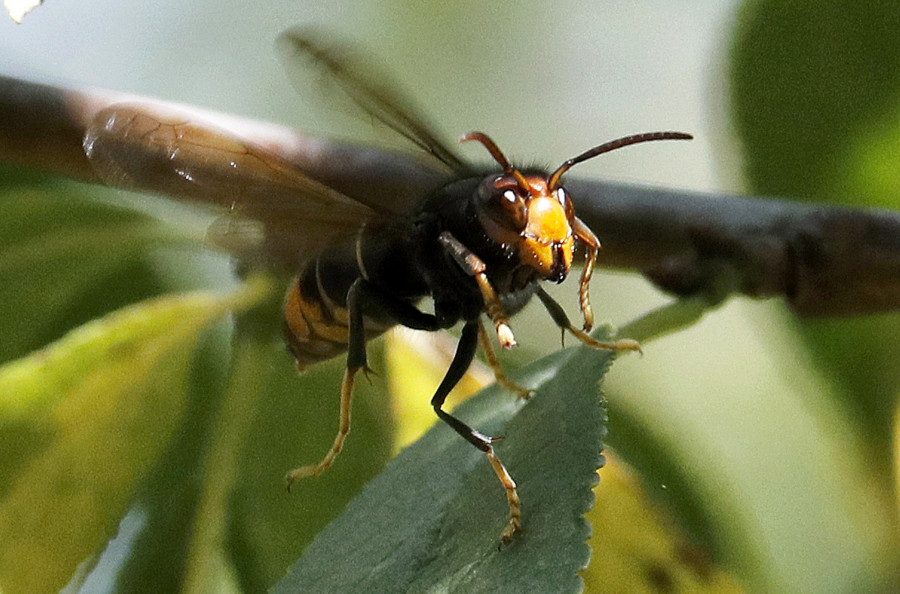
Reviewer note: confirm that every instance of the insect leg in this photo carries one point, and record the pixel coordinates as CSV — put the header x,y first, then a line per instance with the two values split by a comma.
x,y
501,377
475,267
562,320
356,360
465,352
343,431
362,298
584,233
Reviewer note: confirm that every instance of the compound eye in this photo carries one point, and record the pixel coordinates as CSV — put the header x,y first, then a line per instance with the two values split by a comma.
x,y
566,202
506,207
500,199
512,210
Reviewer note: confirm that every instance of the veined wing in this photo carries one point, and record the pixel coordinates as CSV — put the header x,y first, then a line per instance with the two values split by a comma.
x,y
368,87
271,204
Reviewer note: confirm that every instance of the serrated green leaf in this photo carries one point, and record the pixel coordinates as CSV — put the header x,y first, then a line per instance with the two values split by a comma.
x,y
104,401
432,520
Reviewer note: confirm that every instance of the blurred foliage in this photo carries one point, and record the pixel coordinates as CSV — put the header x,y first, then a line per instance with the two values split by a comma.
x,y
118,405
816,105
179,430
56,254
638,547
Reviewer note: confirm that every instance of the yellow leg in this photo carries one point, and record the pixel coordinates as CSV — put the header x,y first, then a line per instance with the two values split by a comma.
x,y
474,266
514,524
501,377
562,320
592,244
622,344
343,431
495,312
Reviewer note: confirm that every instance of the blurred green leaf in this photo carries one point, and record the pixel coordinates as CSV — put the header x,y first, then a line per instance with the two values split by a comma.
x,y
105,399
218,499
153,543
67,258
733,469
637,547
816,98
56,248
296,420
816,102
811,79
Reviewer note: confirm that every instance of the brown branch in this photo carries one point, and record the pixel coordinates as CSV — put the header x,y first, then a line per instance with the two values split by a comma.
x,y
42,126
823,260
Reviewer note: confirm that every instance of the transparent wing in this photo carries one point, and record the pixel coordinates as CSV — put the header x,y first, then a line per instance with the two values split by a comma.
x,y
270,204
367,86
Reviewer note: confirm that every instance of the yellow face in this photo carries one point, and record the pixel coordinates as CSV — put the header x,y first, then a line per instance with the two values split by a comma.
x,y
548,244
534,214
535,220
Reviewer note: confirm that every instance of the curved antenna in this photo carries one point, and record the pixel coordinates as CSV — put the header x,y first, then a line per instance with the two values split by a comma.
x,y
553,182
499,157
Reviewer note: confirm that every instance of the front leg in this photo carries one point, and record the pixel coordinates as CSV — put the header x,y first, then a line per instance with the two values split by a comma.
x,y
504,380
475,267
592,244
562,320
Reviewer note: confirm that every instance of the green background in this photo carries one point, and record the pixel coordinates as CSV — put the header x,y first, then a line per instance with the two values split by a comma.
x,y
767,439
